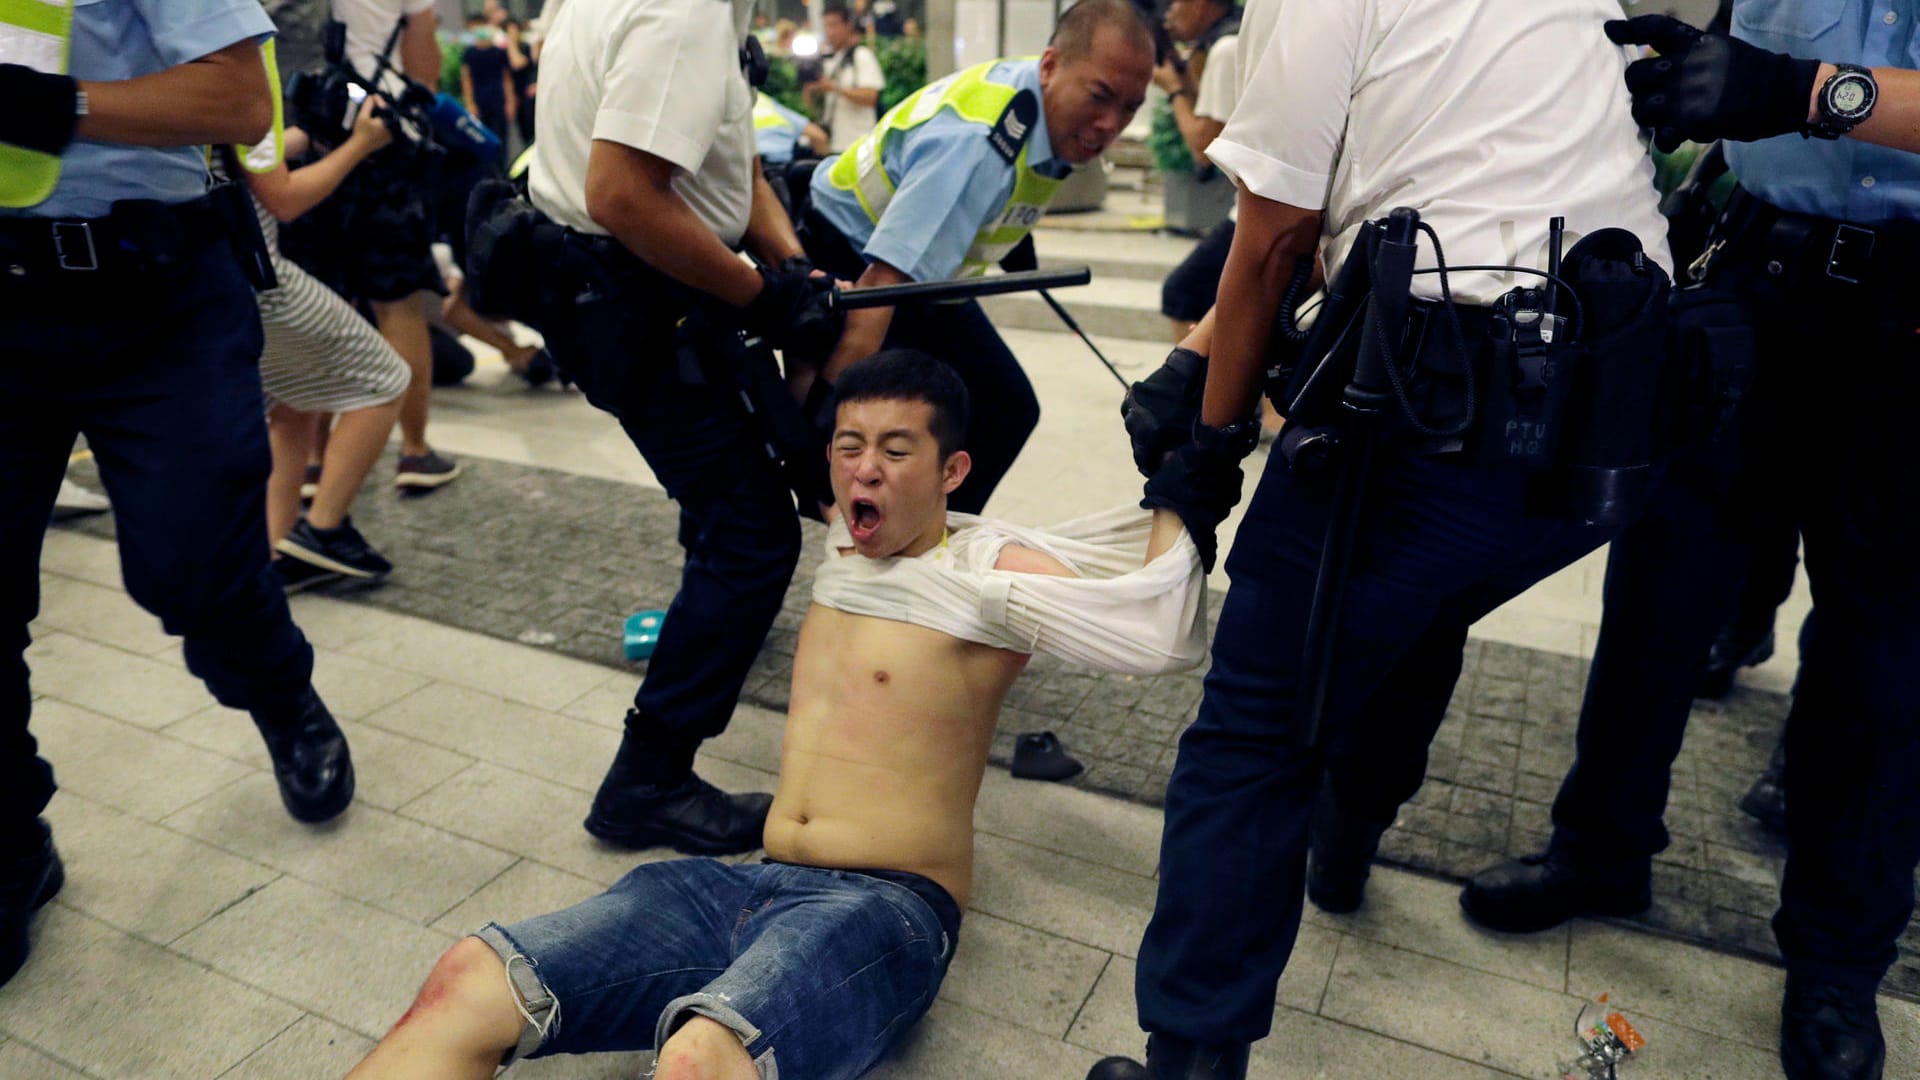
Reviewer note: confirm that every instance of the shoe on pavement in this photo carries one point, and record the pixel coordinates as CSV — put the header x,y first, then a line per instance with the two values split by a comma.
x,y
311,762
693,818
1169,1058
425,472
310,483
341,549
26,885
1340,860
296,576
1038,755
1734,649
1829,1032
1117,1068
1539,892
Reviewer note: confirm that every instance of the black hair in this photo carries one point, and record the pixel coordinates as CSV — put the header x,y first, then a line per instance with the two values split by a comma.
x,y
910,375
1073,35
837,7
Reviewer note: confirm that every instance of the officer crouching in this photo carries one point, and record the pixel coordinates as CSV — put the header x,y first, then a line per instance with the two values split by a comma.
x,y
641,191
127,316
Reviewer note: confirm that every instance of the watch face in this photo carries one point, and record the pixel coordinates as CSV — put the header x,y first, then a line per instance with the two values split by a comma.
x,y
1849,96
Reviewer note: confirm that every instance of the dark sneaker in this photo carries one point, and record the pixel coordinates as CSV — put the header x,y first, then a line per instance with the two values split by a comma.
x,y
310,483
1169,1058
341,550
1038,755
1734,649
26,885
1117,1068
310,758
695,818
424,472
1539,892
1766,800
1830,1033
540,369
296,576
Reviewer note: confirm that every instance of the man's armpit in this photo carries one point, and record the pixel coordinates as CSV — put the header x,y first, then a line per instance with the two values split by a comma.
x,y
1026,560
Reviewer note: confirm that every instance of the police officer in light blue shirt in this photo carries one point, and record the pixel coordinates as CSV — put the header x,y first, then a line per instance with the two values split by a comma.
x,y
952,181
127,317
1819,105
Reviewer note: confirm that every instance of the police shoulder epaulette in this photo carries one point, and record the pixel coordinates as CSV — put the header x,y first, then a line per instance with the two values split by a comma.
x,y
1010,132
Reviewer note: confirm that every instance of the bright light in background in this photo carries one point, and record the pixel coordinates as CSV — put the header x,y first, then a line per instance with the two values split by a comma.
x,y
806,45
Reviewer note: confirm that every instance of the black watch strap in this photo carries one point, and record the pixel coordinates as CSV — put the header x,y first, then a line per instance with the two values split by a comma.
x,y
1236,439
1835,122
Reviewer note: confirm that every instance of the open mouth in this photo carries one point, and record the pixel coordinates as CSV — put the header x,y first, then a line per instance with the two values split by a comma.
x,y
864,520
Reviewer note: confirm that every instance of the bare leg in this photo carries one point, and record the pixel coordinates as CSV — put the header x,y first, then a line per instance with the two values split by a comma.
x,y
358,438
463,1021
322,432
469,322
290,432
704,1049
404,324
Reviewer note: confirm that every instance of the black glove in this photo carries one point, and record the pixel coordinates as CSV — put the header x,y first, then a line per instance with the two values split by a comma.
x,y
811,464
1160,410
1709,86
40,109
1201,486
795,310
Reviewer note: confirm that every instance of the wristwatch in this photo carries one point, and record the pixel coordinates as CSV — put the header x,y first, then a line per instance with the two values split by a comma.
x,y
1846,99
1236,439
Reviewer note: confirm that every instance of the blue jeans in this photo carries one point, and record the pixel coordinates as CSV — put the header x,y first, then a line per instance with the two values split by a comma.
x,y
820,972
1441,543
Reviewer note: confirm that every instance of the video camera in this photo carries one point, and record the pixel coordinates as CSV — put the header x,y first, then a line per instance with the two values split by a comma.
x,y
325,104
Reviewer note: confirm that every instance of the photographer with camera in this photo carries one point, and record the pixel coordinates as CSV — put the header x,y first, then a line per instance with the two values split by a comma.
x,y
642,193
1453,436
372,240
127,316
845,94
1202,92
1816,105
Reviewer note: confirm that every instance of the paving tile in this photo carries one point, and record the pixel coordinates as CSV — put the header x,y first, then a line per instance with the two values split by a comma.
x,y
107,616
388,769
535,678
492,728
112,682
367,853
141,878
349,963
954,1042
1032,979
1422,915
1467,1014
78,556
1683,1053
311,1047
1300,1045
1900,1023
20,1060
335,624
1723,995
606,704
126,767
1071,898
528,816
525,890
116,1006
1124,836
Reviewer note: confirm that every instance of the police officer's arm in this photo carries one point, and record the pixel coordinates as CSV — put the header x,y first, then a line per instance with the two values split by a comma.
x,y
1895,121
866,328
630,194
770,236
420,47
1270,237
219,98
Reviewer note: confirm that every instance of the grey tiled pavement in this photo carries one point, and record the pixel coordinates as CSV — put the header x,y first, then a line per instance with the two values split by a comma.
x,y
203,934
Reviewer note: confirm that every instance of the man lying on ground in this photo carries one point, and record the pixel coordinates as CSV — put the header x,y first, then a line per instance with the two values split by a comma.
x,y
816,962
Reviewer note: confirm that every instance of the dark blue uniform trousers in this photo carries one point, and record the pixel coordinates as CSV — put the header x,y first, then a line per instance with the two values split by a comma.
x,y
163,378
1831,438
1442,542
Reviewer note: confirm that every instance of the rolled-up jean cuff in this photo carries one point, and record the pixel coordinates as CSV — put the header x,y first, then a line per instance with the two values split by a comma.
x,y
716,1009
536,1000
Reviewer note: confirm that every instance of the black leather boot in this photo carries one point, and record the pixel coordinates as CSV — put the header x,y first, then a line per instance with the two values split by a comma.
x,y
1735,648
310,758
26,884
1117,1068
646,801
1766,800
1539,892
1341,858
1170,1058
1830,1033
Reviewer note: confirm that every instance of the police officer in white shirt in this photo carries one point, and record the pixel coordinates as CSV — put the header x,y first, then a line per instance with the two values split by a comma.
x,y
654,183
848,94
1489,118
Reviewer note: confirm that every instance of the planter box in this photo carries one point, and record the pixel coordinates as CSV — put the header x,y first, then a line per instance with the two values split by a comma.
x,y
1194,206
